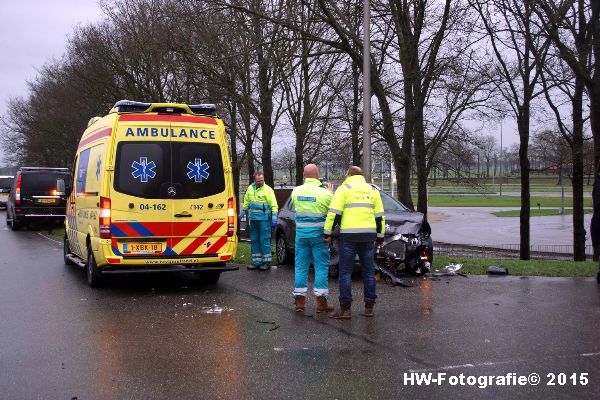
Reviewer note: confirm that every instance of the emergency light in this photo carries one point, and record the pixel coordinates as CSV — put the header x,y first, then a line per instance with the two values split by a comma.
x,y
104,218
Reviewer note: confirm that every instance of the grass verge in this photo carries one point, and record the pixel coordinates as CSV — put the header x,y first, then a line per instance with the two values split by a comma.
x,y
544,212
498,201
478,266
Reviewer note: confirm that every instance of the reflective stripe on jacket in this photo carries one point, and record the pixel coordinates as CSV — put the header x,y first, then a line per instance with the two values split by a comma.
x,y
358,204
260,202
311,202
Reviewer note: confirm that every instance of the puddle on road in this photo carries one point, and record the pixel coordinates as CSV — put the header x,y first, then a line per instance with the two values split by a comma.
x,y
190,311
215,309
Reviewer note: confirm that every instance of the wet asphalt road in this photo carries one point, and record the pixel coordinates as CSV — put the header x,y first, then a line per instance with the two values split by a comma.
x,y
484,228
155,337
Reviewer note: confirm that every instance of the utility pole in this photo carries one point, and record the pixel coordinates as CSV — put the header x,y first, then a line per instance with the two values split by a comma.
x,y
501,158
366,160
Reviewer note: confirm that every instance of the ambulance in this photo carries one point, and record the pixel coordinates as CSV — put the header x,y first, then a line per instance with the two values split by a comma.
x,y
152,192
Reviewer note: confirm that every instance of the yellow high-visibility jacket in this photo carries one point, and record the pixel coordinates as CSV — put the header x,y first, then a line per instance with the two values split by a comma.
x,y
260,202
358,204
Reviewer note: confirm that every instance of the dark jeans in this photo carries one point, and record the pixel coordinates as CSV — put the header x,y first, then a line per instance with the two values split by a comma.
x,y
366,254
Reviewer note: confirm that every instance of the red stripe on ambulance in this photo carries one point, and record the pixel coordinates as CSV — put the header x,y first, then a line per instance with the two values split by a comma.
x,y
217,245
95,136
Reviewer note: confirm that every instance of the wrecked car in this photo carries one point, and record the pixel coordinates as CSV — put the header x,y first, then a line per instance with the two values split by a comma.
x,y
407,248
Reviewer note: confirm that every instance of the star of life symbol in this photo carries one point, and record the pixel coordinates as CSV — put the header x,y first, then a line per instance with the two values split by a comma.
x,y
143,169
198,170
98,164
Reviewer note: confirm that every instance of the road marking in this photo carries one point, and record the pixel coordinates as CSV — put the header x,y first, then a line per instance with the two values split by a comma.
x,y
44,236
495,363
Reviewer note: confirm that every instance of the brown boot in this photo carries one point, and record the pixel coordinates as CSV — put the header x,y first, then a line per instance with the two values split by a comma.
x,y
369,308
344,312
322,305
299,303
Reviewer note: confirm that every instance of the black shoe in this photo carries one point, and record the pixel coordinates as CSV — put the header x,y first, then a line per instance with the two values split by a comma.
x,y
264,267
252,267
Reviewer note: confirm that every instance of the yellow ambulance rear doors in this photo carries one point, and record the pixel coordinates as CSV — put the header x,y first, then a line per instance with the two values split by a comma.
x,y
140,194
168,197
199,158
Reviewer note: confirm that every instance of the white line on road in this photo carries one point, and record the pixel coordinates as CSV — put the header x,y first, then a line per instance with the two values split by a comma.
x,y
55,241
494,363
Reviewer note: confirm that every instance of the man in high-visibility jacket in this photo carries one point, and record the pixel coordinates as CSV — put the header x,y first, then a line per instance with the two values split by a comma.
x,y
356,206
311,202
260,205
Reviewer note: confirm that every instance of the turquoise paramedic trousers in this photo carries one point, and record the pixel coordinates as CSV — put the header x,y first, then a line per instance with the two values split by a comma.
x,y
319,250
260,242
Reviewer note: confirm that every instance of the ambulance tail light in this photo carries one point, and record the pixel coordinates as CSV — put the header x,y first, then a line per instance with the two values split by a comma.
x,y
104,219
18,192
230,217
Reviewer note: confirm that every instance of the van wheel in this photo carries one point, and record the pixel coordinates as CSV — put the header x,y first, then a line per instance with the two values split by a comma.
x,y
66,250
281,250
94,278
14,224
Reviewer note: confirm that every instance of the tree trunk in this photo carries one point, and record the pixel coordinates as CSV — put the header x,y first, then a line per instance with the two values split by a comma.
x,y
235,166
248,146
265,100
523,126
421,161
577,181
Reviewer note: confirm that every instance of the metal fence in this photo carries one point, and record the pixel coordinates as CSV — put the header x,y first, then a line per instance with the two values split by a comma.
x,y
538,252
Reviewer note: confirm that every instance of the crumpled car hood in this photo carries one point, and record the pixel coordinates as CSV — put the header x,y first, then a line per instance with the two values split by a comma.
x,y
405,222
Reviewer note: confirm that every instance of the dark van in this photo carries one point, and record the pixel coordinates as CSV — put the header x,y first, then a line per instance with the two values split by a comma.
x,y
38,195
5,185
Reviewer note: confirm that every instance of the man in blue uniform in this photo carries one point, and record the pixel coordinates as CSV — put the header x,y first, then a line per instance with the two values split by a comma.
x,y
261,206
311,202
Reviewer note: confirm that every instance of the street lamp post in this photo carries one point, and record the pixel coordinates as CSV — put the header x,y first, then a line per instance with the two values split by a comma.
x,y
366,161
501,158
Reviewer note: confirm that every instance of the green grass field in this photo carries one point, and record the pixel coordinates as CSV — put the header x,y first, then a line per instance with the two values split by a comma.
x,y
544,212
478,266
497,201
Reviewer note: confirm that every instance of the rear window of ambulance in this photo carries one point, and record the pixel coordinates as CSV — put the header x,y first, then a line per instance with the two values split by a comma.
x,y
198,168
148,169
142,169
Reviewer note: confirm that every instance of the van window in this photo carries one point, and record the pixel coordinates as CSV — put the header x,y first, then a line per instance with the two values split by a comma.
x,y
82,171
197,169
148,169
142,168
41,183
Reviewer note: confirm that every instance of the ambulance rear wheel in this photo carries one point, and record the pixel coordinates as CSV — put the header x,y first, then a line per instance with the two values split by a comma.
x,y
66,250
210,277
94,279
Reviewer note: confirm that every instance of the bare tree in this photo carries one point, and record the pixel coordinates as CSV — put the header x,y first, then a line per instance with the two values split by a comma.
x,y
520,50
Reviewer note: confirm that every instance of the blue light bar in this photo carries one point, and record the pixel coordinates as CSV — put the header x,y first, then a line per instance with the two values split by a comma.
x,y
131,106
204,109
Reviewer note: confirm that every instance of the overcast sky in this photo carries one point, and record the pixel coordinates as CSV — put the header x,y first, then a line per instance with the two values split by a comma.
x,y
33,32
